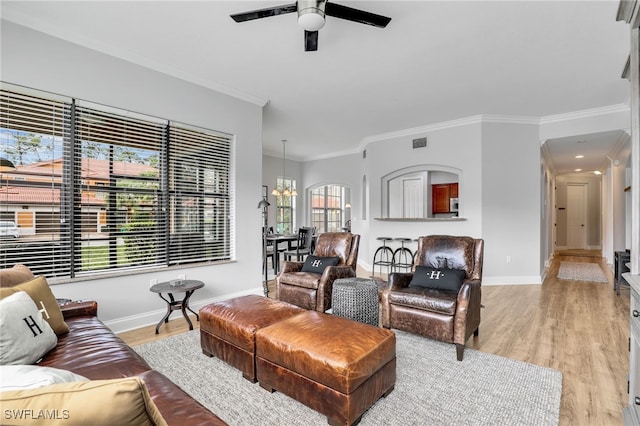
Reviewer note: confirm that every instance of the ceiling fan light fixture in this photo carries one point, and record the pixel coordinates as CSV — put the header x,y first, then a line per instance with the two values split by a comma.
x,y
311,19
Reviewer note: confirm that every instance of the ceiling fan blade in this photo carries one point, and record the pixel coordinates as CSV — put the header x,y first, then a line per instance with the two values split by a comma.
x,y
310,41
356,15
265,13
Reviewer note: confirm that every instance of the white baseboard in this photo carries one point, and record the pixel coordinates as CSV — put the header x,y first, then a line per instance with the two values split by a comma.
x,y
144,319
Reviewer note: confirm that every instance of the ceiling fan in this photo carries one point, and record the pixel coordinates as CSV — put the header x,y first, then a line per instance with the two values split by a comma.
x,y
311,17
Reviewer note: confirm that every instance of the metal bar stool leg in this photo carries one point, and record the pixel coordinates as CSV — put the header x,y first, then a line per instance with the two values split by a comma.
x,y
383,256
402,256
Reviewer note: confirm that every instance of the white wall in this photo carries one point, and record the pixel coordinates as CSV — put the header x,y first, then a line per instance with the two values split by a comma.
x,y
456,147
43,62
499,199
511,203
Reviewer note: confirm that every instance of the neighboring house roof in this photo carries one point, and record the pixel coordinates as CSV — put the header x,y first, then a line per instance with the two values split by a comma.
x,y
92,169
46,196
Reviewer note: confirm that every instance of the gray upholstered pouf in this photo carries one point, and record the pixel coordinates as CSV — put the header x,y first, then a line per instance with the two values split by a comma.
x,y
356,299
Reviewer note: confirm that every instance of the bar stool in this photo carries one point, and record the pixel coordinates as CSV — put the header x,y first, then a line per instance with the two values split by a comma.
x,y
383,256
415,252
402,256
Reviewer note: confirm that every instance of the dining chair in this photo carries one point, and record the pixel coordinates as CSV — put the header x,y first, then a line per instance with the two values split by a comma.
x,y
304,244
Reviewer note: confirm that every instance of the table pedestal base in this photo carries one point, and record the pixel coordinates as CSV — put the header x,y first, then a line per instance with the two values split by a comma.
x,y
175,305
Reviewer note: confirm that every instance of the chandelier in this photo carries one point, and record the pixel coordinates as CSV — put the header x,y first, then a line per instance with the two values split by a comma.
x,y
285,190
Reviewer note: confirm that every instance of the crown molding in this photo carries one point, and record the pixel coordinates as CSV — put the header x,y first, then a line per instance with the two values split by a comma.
x,y
546,155
585,113
18,18
620,144
466,121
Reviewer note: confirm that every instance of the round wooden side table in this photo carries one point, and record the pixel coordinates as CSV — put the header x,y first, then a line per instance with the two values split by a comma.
x,y
188,287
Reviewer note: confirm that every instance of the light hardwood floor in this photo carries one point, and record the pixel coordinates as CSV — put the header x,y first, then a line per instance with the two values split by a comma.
x,y
578,328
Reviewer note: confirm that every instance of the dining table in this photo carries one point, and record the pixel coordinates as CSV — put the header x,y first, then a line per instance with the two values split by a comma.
x,y
276,239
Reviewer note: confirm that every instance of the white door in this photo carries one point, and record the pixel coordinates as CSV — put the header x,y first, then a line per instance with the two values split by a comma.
x,y
577,216
412,198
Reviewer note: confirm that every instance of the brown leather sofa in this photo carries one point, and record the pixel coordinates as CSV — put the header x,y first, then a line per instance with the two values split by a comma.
x,y
92,350
435,313
313,291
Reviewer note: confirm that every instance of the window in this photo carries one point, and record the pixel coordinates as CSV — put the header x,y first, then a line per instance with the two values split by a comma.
x,y
285,207
328,208
96,189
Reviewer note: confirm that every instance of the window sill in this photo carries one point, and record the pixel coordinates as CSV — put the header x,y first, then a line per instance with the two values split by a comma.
x,y
129,272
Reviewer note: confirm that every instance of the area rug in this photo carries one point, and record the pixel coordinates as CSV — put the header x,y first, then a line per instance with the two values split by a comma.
x,y
432,387
579,271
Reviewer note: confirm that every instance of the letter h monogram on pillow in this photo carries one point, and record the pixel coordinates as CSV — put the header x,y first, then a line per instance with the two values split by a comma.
x,y
435,274
33,325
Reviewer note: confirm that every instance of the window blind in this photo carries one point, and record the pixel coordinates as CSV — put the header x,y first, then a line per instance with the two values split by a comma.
x,y
120,219
33,133
200,194
99,189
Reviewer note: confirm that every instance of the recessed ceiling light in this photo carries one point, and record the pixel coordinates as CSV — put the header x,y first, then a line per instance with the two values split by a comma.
x,y
580,156
597,172
578,170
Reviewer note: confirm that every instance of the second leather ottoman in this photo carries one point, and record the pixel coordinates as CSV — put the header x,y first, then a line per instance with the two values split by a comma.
x,y
331,364
228,328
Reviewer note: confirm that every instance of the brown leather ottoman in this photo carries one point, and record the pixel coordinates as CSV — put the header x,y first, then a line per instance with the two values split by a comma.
x,y
333,365
227,328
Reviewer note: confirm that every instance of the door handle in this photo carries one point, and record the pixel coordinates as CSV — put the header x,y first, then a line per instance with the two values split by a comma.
x,y
636,313
637,400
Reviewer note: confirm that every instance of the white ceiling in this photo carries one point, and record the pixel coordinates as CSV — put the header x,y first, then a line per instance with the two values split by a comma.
x,y
435,61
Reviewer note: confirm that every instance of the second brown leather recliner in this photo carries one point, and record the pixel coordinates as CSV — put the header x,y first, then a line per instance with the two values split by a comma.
x,y
443,314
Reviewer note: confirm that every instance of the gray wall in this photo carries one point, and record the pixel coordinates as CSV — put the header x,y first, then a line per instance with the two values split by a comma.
x,y
511,201
43,62
499,198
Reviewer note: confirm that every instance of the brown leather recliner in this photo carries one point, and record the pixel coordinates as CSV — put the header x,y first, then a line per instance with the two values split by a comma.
x,y
313,291
438,314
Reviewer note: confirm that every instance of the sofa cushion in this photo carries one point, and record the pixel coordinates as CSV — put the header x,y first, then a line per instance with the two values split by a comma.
x,y
41,294
308,280
15,275
92,350
439,279
317,264
100,402
425,299
19,377
24,335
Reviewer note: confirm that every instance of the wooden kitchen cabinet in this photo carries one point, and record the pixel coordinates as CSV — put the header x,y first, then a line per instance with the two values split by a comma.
x,y
440,198
453,189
